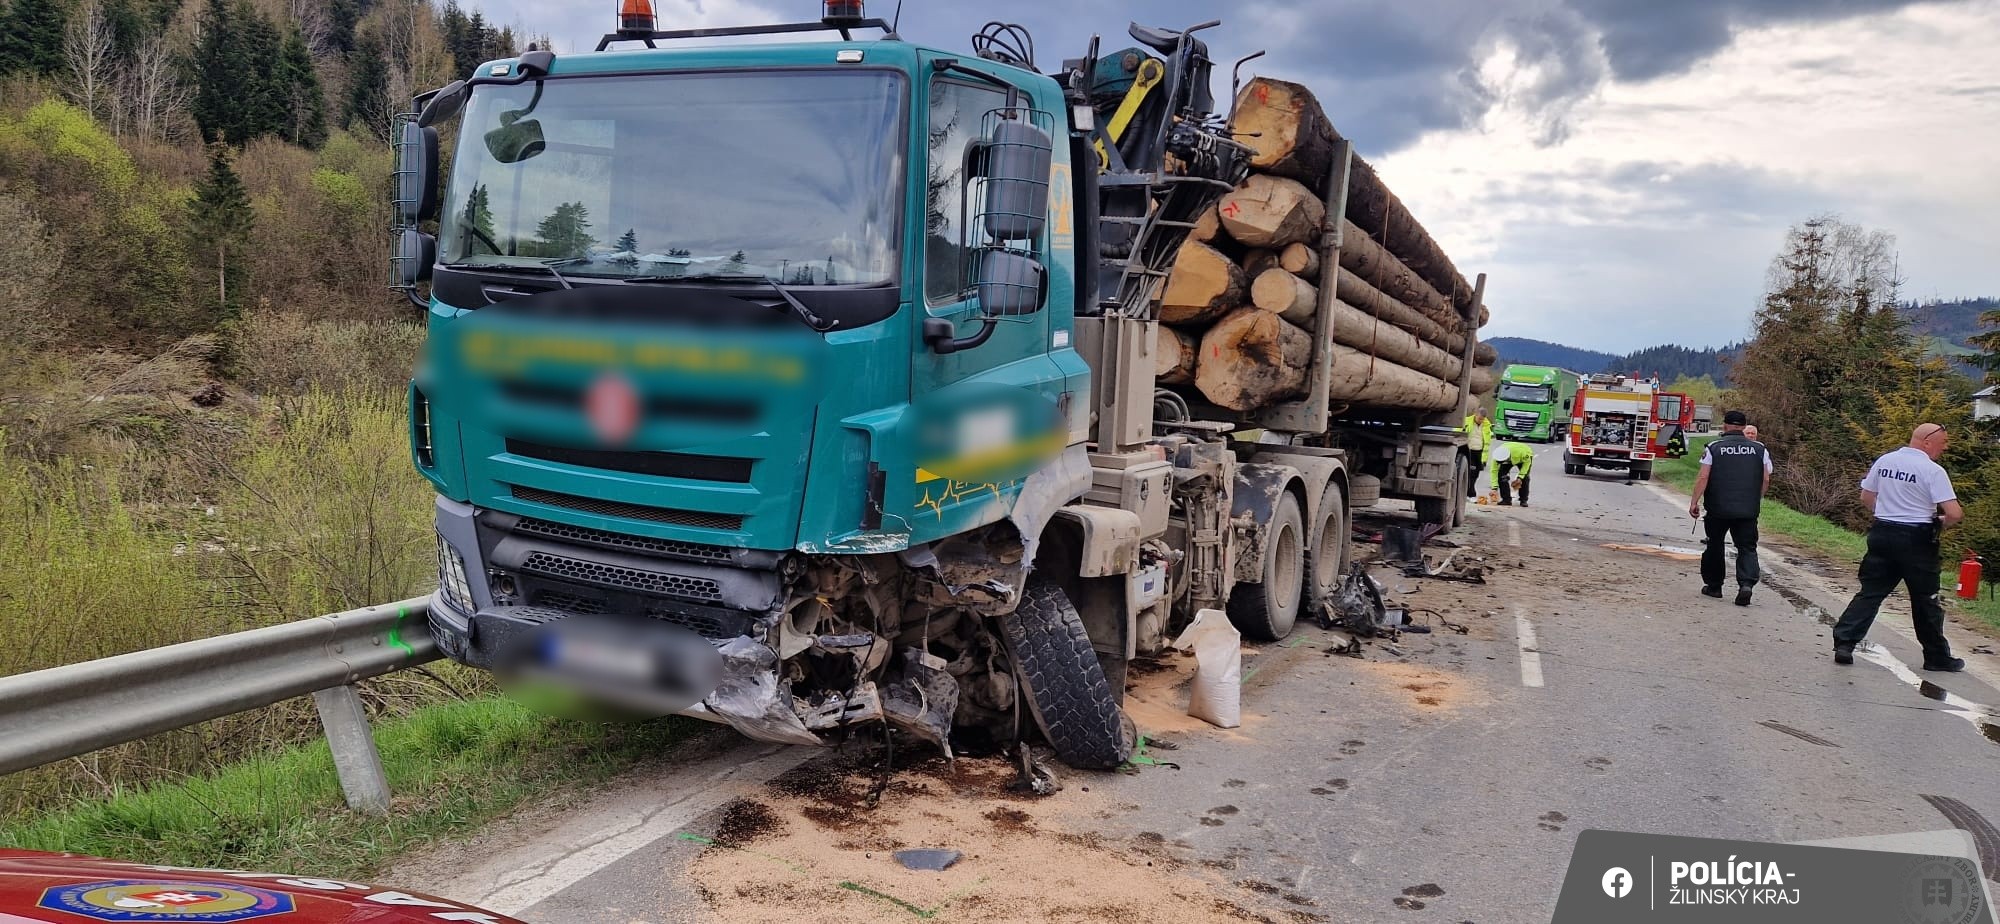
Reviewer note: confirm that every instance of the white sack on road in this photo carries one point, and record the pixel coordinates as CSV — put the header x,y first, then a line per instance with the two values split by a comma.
x,y
1217,697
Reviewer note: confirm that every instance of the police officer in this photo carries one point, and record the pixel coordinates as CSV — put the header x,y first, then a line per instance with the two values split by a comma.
x,y
1905,490
1735,473
1478,436
1512,459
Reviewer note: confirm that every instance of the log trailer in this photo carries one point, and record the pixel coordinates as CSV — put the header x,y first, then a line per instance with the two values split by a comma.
x,y
817,380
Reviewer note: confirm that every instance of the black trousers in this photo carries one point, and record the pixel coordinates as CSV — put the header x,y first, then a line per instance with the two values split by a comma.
x,y
1898,553
1743,532
1475,465
1505,491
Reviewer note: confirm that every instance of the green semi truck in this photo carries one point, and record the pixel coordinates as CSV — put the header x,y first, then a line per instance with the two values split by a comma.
x,y
1533,403
817,381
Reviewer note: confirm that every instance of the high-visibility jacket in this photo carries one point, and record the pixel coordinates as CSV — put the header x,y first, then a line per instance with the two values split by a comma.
x,y
1478,434
1516,454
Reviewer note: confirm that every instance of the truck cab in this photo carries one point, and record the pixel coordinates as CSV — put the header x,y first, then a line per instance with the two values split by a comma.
x,y
1533,403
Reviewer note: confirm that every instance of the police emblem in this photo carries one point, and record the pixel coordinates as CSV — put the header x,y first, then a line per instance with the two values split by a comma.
x,y
1943,890
154,900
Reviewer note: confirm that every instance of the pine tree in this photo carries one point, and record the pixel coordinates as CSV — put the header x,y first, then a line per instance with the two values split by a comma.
x,y
31,37
305,115
225,79
738,262
221,219
628,242
343,17
367,108
566,232
266,98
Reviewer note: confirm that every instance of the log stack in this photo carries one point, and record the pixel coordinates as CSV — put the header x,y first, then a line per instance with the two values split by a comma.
x,y
1239,311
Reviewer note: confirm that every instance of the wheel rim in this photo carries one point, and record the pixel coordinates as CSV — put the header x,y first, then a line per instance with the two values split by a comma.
x,y
1326,568
1285,571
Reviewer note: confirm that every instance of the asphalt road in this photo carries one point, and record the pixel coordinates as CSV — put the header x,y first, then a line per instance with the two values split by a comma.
x,y
1440,776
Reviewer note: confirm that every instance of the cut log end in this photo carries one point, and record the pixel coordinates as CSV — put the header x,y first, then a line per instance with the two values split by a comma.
x,y
1204,286
1252,359
1173,356
1285,295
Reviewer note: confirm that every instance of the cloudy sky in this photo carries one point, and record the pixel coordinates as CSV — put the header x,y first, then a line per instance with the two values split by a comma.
x,y
1622,169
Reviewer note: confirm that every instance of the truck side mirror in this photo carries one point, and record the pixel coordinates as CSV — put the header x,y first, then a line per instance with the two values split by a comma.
x,y
1017,156
1566,402
445,103
416,174
1010,284
415,254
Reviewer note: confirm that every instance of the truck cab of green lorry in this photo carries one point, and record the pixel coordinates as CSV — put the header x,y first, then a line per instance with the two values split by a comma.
x,y
1533,403
806,387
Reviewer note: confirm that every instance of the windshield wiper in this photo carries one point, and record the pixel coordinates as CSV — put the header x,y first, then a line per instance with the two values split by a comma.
x,y
546,265
798,308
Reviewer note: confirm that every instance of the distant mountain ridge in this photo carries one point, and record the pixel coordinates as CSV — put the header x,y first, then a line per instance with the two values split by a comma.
x,y
1668,360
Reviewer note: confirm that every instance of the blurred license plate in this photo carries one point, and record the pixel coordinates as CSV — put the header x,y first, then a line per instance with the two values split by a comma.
x,y
599,659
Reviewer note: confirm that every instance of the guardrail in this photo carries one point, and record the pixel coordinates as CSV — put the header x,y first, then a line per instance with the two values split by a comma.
x,y
61,712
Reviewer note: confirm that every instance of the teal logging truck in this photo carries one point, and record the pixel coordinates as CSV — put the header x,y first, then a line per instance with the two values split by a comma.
x,y
1533,403
814,383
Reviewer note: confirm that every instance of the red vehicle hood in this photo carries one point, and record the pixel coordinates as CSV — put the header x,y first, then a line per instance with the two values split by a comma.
x,y
52,888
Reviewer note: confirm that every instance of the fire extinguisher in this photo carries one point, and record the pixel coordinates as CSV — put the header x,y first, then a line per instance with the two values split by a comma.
x,y
1968,576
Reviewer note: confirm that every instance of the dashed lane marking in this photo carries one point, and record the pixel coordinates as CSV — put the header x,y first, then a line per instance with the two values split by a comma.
x,y
1531,651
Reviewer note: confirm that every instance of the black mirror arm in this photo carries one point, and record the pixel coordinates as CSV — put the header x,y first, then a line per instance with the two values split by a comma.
x,y
938,335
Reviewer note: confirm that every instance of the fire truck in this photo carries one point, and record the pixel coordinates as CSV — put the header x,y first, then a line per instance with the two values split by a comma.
x,y
1624,423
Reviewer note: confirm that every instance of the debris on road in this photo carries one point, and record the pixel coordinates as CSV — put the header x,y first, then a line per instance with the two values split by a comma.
x,y
928,859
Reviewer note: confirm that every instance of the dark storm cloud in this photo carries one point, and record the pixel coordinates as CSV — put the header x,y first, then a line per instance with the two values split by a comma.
x,y
1388,70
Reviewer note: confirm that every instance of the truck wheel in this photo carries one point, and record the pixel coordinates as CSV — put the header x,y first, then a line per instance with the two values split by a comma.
x,y
1326,564
1268,609
1072,704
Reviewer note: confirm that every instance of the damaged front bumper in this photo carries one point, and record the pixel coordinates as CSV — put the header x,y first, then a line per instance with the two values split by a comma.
x,y
506,580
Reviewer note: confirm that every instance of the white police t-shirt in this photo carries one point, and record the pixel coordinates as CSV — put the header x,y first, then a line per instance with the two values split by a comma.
x,y
1908,486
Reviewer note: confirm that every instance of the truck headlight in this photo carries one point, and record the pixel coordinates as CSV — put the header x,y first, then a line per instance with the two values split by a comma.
x,y
451,576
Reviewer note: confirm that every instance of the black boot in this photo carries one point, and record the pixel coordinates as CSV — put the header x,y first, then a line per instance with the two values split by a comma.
x,y
1715,592
1843,654
1742,596
1949,665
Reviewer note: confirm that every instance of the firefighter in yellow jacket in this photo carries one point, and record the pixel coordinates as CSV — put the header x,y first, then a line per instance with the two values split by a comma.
x,y
1511,462
1478,437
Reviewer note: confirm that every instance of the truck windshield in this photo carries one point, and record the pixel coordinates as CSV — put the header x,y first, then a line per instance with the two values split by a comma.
x,y
795,176
1526,394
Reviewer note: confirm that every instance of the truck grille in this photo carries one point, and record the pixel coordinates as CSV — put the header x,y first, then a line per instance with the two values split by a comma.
x,y
1521,421
588,536
652,582
609,508
660,464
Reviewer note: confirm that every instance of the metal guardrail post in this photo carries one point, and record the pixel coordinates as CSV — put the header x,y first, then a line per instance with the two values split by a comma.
x,y
49,715
355,759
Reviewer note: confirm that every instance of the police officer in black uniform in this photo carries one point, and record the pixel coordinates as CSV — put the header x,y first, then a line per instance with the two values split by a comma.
x,y
1735,473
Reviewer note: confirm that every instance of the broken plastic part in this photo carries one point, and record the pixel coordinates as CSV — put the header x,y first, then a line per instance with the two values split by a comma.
x,y
752,699
923,700
927,859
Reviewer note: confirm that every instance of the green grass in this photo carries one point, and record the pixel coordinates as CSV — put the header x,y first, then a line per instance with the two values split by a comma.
x,y
451,768
1817,534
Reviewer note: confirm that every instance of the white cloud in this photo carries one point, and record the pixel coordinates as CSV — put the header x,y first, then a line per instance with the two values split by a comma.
x,y
1653,221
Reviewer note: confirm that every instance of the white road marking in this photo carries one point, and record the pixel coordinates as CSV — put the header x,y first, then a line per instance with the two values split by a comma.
x,y
1513,533
597,836
1531,651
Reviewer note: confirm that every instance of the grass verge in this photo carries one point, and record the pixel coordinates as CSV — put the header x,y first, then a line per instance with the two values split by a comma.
x,y
1820,535
451,766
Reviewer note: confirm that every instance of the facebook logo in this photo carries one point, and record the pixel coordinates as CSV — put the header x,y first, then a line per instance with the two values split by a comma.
x,y
1617,882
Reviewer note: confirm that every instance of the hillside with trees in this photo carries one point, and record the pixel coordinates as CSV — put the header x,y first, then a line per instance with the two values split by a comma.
x,y
1668,361
202,373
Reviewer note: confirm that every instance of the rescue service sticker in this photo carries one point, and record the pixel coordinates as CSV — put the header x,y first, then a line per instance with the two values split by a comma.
x,y
155,900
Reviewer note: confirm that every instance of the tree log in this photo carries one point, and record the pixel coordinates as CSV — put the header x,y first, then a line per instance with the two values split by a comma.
x,y
1204,286
1290,136
1358,378
1269,211
1173,356
1362,255
1484,354
1285,295
1355,328
1300,259
1484,380
1207,226
1357,292
1251,359
1257,261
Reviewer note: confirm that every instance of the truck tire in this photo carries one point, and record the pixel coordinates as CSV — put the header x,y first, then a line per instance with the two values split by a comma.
x,y
1267,610
1072,704
1364,491
1326,564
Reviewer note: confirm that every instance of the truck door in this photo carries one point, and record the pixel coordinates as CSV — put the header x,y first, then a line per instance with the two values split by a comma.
x,y
956,108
